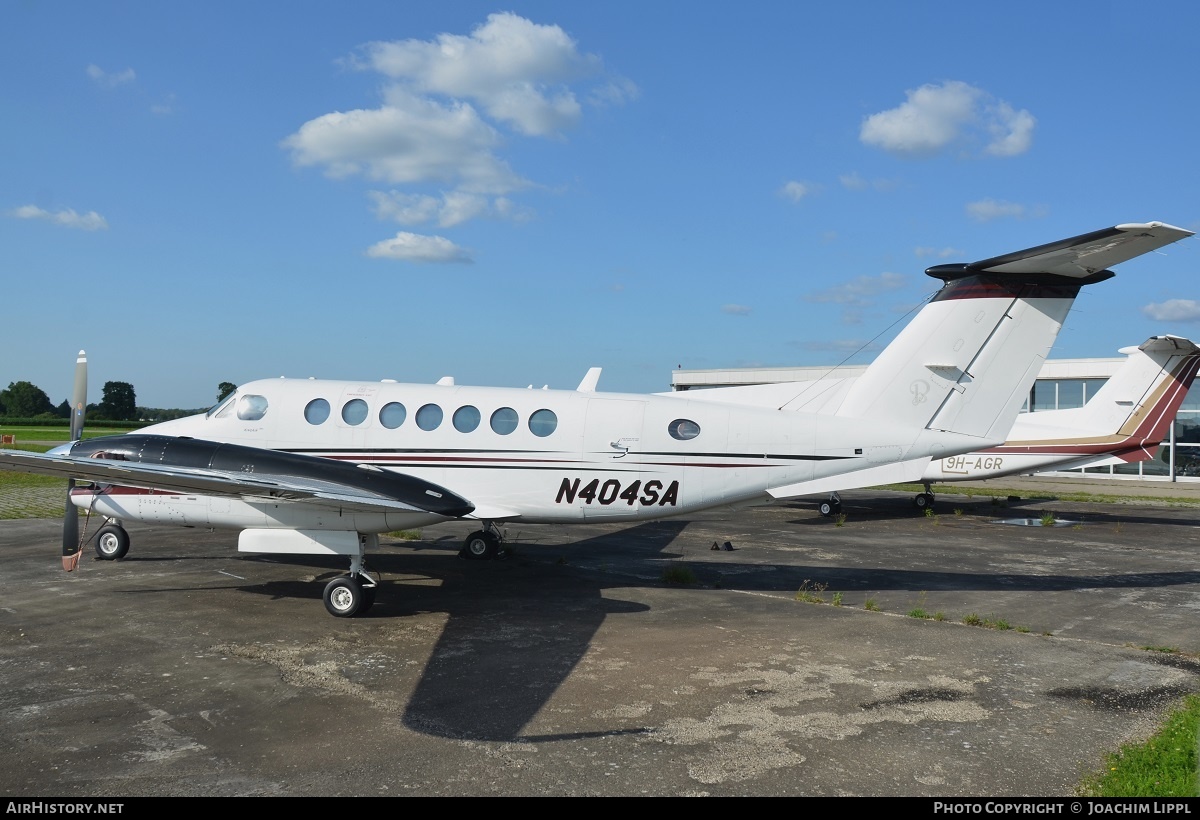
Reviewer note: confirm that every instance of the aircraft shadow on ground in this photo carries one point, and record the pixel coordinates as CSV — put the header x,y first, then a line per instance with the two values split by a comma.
x,y
518,627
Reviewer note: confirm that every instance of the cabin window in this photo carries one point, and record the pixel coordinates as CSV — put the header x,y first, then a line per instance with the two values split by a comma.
x,y
429,417
466,418
354,411
392,415
504,421
683,429
251,408
543,422
316,411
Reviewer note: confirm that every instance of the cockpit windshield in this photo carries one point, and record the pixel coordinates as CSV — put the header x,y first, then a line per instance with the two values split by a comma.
x,y
221,405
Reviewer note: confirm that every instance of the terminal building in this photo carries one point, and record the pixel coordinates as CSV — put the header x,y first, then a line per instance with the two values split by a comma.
x,y
1062,383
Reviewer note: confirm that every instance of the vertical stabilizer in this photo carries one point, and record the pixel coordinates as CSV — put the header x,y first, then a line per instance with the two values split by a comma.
x,y
998,317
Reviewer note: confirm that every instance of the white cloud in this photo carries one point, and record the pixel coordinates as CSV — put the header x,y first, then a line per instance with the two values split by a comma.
x,y
985,210
860,291
853,181
796,191
410,140
937,117
68,218
411,247
1012,131
515,70
1173,310
441,108
110,80
446,211
735,310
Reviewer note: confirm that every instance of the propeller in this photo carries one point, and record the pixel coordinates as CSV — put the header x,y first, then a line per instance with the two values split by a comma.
x,y
72,549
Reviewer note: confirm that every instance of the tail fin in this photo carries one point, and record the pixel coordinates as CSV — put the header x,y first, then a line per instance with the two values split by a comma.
x,y
999,316
1130,415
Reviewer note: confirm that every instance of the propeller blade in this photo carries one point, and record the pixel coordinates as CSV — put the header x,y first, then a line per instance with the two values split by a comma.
x,y
79,396
72,549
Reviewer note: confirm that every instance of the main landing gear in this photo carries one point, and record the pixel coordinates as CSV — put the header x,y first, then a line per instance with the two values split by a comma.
x,y
112,542
831,507
483,545
924,501
353,594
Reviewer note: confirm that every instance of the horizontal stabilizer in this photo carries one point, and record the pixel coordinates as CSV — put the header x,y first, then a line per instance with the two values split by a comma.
x,y
1078,257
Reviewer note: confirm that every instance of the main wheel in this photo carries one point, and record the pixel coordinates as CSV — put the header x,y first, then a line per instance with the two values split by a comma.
x,y
368,599
343,597
924,501
480,545
112,542
831,507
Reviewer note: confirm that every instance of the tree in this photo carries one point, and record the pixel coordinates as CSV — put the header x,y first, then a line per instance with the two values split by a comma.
x,y
224,389
25,400
119,402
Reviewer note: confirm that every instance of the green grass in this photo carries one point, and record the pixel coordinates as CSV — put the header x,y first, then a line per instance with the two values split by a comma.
x,y
1166,765
679,574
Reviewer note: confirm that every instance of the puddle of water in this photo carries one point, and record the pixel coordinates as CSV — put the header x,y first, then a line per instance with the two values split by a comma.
x,y
1035,522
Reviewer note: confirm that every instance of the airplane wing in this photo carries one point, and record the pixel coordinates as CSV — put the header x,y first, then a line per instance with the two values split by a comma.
x,y
276,477
1079,256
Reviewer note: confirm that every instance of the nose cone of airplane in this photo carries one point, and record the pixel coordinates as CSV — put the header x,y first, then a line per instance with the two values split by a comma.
x,y
61,450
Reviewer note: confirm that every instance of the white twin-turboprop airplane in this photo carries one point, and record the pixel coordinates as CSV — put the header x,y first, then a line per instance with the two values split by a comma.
x,y
317,467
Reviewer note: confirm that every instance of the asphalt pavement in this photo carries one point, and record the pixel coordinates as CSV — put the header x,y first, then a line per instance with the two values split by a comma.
x,y
998,647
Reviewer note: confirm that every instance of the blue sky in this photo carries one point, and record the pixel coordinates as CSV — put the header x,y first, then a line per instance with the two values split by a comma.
x,y
199,192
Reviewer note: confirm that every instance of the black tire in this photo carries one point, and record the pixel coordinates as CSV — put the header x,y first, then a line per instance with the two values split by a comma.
x,y
924,501
112,543
480,546
827,508
368,599
343,597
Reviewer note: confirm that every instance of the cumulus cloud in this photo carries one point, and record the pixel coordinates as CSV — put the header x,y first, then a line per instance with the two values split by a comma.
x,y
447,210
985,210
68,218
516,70
735,310
796,191
447,107
110,79
859,292
1173,310
412,247
409,140
934,118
